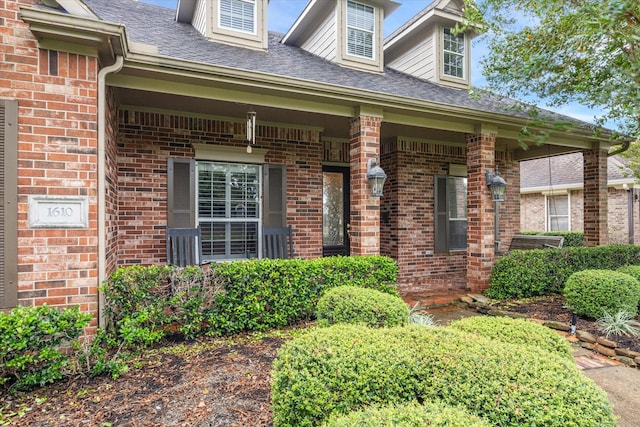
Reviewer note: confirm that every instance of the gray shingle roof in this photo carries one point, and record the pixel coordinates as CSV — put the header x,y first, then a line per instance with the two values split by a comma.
x,y
156,25
564,170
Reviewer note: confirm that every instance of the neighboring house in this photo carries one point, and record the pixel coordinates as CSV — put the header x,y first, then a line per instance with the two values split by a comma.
x,y
552,197
120,119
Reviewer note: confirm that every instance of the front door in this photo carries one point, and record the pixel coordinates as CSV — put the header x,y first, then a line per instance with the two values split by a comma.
x,y
335,210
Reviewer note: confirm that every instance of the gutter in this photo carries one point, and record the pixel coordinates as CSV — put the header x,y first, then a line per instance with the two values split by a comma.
x,y
624,147
102,245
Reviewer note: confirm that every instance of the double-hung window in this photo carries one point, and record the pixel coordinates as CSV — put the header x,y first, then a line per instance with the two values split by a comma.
x,y
450,213
558,213
239,15
228,210
360,29
453,54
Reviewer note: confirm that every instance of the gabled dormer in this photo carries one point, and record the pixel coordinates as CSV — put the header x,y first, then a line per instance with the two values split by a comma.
x,y
427,47
347,32
236,22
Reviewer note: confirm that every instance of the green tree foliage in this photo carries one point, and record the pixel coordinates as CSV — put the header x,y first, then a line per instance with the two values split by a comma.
x,y
565,51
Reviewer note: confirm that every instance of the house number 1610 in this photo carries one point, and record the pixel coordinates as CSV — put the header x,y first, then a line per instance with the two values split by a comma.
x,y
58,211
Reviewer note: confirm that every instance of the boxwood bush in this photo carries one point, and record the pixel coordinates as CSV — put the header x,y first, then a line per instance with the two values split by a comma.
x,y
591,293
571,238
350,304
30,344
411,414
515,331
521,274
336,370
262,294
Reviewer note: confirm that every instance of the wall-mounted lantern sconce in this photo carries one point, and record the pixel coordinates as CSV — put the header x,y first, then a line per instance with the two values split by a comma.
x,y
496,184
251,129
376,177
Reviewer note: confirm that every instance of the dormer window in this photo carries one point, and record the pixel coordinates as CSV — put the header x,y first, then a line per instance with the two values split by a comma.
x,y
453,58
360,29
239,15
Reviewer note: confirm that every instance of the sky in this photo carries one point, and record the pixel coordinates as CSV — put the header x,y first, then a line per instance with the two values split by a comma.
x,y
283,13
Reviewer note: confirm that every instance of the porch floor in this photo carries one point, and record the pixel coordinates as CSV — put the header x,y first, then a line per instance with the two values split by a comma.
x,y
436,292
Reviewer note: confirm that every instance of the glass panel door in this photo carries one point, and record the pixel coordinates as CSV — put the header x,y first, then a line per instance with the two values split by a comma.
x,y
335,211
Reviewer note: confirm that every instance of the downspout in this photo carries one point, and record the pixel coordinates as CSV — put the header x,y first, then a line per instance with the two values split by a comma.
x,y
101,170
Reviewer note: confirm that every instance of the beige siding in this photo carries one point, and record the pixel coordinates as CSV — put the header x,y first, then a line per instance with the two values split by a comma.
x,y
199,21
322,41
419,61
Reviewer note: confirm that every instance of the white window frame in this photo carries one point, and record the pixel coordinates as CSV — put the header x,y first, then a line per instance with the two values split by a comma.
x,y
251,3
549,217
461,55
361,30
229,219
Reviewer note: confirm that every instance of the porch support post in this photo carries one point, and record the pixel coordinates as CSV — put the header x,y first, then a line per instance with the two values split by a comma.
x,y
595,197
480,208
364,132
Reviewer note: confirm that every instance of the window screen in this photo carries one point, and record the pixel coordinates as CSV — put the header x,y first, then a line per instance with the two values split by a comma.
x,y
360,28
453,59
238,15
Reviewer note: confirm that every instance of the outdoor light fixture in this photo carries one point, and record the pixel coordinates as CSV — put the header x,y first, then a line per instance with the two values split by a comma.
x,y
496,184
376,177
251,129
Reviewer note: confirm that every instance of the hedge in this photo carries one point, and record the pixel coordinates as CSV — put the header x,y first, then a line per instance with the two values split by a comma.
x,y
263,294
350,304
521,274
571,238
410,414
591,293
144,302
515,331
336,370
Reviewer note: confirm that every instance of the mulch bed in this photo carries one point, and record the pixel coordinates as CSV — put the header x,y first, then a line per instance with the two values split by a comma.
x,y
227,385
207,383
554,308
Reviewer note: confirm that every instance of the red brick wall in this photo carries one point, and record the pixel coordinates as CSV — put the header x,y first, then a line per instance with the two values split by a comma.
x,y
57,156
365,209
147,139
409,198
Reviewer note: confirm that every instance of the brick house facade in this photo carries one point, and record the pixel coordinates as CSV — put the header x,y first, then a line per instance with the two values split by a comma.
x,y
554,183
97,107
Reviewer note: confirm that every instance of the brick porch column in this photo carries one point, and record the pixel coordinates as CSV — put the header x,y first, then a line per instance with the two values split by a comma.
x,y
364,131
480,208
595,197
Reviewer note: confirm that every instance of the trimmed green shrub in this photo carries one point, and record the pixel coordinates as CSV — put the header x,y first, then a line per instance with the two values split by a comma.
x,y
350,304
515,331
522,274
336,370
30,341
409,415
571,238
272,293
591,293
142,302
